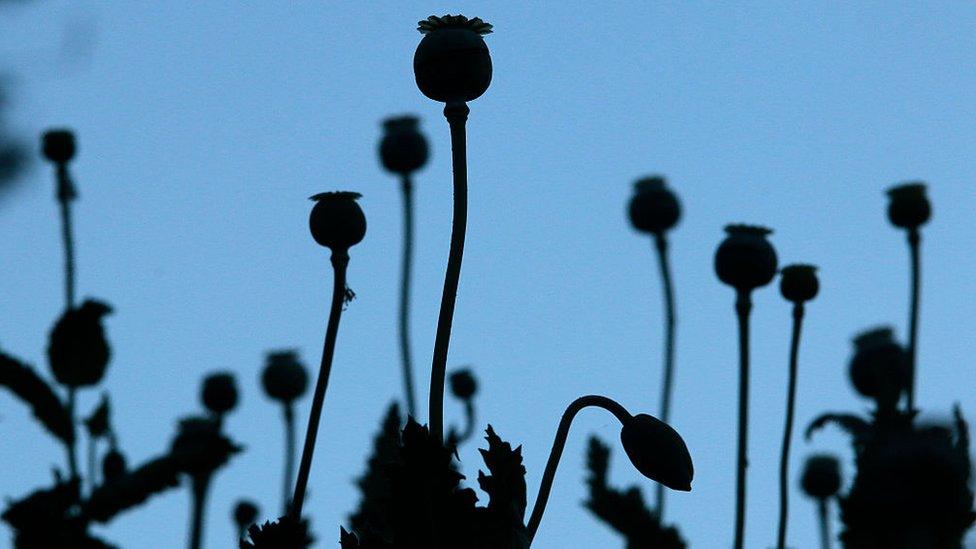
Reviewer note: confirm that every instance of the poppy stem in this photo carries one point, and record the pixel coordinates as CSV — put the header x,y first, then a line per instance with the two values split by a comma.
x,y
289,474
743,305
914,241
340,260
200,487
92,441
457,115
661,244
405,357
562,432
70,447
788,431
65,194
824,522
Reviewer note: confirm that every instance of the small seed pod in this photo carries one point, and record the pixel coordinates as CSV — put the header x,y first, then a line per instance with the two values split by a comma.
x,y
653,208
879,367
821,476
284,378
403,148
745,260
798,283
113,465
463,384
657,451
245,514
58,145
908,207
219,393
337,222
452,62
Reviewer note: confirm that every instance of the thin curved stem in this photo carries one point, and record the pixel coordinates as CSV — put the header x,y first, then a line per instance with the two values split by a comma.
x,y
661,244
289,474
340,260
824,522
788,431
914,240
562,432
405,355
743,305
456,114
65,194
200,486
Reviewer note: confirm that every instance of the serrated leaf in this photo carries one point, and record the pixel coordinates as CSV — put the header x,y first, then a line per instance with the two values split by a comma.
x,y
36,393
132,488
505,485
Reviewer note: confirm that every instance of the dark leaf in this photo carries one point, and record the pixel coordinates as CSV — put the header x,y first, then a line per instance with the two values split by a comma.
x,y
853,425
284,533
374,485
132,488
98,422
36,393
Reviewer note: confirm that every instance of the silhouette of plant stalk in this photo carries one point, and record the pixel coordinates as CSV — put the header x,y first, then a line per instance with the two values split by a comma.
x,y
661,244
743,305
824,523
788,431
406,185
456,114
201,484
289,472
914,241
340,260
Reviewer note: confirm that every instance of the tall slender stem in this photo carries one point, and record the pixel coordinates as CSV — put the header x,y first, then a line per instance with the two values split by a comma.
x,y
91,463
200,486
289,474
562,432
457,115
743,305
340,260
72,459
405,356
788,431
914,239
824,522
661,244
65,194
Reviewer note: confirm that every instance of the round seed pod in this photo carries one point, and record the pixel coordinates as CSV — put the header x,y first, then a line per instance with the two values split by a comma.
x,y
879,367
337,222
78,351
908,206
219,393
452,62
403,148
284,378
58,145
821,476
245,514
798,283
463,384
653,208
657,451
746,260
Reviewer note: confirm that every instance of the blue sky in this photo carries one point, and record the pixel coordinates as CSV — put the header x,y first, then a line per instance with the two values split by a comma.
x,y
204,127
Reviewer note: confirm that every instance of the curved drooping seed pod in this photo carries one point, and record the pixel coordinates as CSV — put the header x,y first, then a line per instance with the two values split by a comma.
x,y
658,451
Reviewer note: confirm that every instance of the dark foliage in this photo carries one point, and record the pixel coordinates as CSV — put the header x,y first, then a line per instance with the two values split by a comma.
x,y
371,518
132,488
24,382
624,510
284,533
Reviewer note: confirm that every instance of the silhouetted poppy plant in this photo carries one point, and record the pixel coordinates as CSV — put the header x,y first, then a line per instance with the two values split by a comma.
x,y
285,379
821,481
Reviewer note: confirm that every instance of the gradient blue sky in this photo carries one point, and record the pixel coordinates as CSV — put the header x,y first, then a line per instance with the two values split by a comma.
x,y
204,127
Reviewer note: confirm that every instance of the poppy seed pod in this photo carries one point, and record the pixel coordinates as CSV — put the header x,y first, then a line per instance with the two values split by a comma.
x,y
653,208
78,351
245,513
58,145
403,148
821,476
657,451
798,283
879,367
284,378
908,207
337,222
113,465
452,62
463,384
745,260
219,393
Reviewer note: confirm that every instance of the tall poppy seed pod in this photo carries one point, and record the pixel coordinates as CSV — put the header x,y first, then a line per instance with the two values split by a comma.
x,y
245,514
463,384
78,350
657,451
798,283
879,367
337,222
113,465
745,260
58,145
452,62
908,206
219,392
653,208
284,377
403,148
821,476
